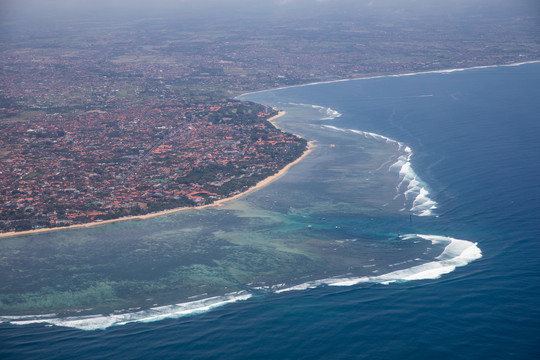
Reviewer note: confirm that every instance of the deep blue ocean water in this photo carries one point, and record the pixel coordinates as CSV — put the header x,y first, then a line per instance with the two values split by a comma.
x,y
474,139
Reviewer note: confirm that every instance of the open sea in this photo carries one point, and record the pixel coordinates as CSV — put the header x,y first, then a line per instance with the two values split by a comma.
x,y
412,231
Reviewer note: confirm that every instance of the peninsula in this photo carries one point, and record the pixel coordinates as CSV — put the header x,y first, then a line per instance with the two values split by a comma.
x,y
262,183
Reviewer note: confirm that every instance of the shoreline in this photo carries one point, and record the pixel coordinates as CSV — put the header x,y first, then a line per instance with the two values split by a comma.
x,y
311,146
369,77
264,182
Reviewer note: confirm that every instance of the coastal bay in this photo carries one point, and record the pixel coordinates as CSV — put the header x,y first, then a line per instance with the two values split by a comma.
x,y
294,228
467,313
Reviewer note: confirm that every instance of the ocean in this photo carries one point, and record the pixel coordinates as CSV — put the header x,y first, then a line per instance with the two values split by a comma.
x,y
410,232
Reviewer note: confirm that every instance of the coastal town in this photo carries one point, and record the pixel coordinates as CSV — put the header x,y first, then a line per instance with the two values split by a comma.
x,y
109,164
121,120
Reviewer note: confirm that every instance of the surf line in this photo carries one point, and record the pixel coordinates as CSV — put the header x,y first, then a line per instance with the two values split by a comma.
x,y
328,113
102,322
456,253
368,77
410,184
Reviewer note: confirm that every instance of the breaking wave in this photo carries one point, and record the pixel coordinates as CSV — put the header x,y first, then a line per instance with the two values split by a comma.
x,y
443,71
328,113
101,322
410,185
456,253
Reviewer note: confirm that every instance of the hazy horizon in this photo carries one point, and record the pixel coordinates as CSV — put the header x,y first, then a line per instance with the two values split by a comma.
x,y
47,10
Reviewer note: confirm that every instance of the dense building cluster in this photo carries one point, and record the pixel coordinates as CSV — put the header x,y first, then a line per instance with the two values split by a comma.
x,y
99,164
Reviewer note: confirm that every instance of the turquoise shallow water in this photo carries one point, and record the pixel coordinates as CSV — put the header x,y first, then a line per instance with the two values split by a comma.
x,y
335,218
454,150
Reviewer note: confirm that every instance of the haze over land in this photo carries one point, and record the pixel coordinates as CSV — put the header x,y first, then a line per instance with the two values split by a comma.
x,y
268,8
437,32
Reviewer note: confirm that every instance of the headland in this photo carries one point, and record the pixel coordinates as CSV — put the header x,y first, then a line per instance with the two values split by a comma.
x,y
310,147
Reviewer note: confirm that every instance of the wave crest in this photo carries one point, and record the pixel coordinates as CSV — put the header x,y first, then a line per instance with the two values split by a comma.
x,y
101,322
456,253
326,112
410,185
329,113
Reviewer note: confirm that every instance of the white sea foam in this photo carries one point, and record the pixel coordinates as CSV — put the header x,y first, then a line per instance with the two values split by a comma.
x,y
456,253
444,71
422,204
416,189
376,137
335,128
410,185
328,113
99,322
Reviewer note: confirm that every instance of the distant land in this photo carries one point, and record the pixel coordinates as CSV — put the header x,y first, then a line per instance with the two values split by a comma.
x,y
106,120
